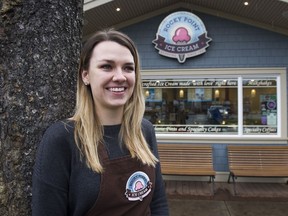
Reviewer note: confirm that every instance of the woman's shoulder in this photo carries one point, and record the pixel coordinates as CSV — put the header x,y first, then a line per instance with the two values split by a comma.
x,y
61,127
59,132
149,132
146,124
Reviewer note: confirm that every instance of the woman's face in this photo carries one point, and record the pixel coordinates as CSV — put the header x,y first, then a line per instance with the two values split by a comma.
x,y
111,75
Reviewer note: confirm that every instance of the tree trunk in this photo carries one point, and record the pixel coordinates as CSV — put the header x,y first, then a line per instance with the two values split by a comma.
x,y
40,42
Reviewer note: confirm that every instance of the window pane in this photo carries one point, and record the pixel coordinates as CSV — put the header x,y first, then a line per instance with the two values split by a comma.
x,y
260,106
196,106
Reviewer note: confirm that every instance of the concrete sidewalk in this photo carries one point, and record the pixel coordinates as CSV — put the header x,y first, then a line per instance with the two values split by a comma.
x,y
224,191
187,198
189,207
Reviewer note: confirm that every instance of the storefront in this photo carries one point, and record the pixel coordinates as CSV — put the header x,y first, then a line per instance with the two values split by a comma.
x,y
231,90
234,93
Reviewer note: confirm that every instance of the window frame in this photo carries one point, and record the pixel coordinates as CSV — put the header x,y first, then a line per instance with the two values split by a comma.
x,y
239,73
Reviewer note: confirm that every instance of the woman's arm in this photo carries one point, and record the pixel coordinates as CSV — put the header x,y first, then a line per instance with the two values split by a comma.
x,y
51,173
159,205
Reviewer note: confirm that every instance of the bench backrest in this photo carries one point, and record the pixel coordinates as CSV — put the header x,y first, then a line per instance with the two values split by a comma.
x,y
257,157
185,155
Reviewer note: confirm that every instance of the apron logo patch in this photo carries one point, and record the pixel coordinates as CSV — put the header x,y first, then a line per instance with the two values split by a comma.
x,y
138,186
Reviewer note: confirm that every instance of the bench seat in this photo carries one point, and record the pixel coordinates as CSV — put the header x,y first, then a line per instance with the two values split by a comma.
x,y
257,161
187,160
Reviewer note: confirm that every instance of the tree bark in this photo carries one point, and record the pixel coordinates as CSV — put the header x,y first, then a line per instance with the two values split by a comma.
x,y
40,42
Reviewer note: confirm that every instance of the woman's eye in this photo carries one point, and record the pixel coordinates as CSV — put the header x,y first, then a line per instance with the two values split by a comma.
x,y
129,68
106,67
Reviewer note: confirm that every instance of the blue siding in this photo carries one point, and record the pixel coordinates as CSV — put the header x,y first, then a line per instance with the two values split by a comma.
x,y
233,45
220,157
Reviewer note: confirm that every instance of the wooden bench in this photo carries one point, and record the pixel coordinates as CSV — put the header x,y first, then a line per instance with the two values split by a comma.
x,y
187,160
257,161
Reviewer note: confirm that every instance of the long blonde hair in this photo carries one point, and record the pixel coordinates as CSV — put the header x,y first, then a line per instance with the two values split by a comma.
x,y
88,129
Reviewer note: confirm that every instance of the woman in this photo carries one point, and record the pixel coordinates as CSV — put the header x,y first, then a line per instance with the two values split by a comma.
x,y
103,160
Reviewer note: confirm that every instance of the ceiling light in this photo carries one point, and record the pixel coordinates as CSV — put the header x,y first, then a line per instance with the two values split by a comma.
x,y
118,9
246,3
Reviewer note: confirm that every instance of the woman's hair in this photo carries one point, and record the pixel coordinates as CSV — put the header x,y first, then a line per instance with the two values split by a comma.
x,y
88,129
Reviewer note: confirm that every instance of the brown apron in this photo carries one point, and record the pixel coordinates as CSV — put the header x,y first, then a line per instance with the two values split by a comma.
x,y
126,187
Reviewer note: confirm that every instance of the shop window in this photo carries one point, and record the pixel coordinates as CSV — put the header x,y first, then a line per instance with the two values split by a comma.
x,y
237,105
193,106
260,106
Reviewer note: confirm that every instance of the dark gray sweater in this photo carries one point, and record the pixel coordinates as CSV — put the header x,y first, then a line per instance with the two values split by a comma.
x,y
62,183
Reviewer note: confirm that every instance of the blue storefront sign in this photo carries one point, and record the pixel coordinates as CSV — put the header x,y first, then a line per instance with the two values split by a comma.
x,y
181,35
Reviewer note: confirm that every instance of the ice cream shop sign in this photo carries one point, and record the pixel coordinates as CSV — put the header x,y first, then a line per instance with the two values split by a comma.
x,y
181,35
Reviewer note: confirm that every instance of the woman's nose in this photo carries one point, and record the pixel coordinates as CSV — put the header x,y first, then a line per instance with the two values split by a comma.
x,y
118,75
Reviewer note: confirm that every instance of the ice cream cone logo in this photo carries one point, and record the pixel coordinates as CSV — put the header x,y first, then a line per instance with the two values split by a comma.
x,y
181,37
138,186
